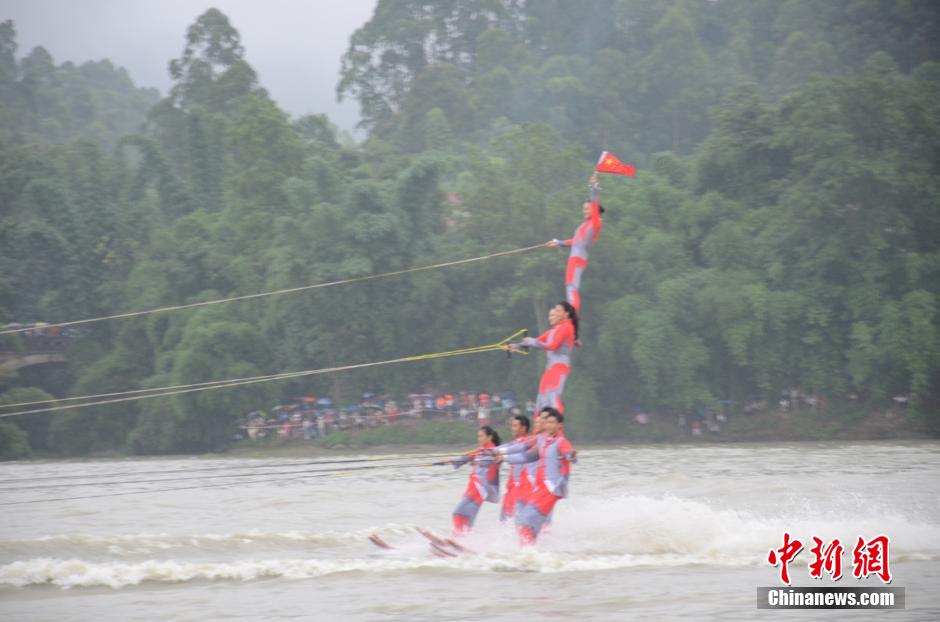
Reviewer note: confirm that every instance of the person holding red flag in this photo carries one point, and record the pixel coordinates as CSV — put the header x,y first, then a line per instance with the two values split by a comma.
x,y
586,234
580,243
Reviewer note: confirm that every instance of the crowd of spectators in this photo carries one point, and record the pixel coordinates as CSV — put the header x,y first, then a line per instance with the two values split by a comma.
x,y
311,417
795,399
703,419
36,337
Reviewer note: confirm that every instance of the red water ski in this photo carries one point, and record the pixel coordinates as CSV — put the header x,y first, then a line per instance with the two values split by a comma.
x,y
446,544
379,542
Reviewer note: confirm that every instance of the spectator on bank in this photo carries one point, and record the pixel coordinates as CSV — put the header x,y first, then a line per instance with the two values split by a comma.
x,y
483,415
391,411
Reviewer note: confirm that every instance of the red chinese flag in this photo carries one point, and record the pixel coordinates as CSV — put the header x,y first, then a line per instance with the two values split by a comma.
x,y
610,164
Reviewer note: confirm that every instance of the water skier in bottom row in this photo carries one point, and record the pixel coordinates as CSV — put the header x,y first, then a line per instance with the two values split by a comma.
x,y
483,484
553,455
537,489
519,476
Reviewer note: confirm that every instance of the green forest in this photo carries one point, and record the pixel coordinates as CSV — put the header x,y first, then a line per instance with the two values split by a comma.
x,y
782,230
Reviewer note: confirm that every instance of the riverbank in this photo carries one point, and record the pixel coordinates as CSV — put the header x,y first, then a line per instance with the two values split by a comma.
x,y
456,436
844,423
770,427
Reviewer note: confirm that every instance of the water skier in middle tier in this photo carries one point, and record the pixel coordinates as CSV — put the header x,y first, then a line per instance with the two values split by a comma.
x,y
557,342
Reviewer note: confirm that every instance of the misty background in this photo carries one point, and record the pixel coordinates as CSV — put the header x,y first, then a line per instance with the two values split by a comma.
x,y
294,46
772,271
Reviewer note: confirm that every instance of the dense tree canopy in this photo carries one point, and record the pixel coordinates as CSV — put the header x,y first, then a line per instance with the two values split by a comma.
x,y
43,102
783,230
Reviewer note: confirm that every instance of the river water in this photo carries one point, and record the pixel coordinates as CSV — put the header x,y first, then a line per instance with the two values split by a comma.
x,y
671,532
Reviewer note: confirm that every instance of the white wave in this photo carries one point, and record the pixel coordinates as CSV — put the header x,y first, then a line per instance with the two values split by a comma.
x,y
588,534
78,544
640,525
74,573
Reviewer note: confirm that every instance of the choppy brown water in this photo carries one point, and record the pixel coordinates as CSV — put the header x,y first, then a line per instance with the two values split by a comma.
x,y
668,532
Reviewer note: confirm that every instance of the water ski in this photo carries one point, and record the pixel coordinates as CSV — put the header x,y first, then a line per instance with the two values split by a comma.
x,y
447,545
440,551
379,542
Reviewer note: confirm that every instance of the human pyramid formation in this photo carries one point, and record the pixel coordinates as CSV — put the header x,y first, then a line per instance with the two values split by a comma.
x,y
539,456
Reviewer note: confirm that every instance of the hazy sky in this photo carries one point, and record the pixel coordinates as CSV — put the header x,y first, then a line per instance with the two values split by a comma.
x,y
294,45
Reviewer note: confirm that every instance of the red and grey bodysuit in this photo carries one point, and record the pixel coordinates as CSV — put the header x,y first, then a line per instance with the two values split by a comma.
x,y
553,456
483,485
557,342
518,486
584,237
